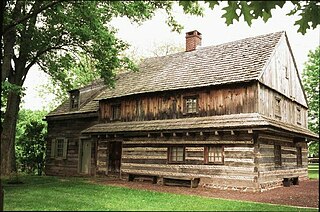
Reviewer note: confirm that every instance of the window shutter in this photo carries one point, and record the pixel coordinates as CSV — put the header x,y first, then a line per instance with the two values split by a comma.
x,y
65,148
53,148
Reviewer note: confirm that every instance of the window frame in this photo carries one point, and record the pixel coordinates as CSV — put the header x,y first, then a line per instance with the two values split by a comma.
x,y
112,115
169,155
76,95
195,107
55,147
299,156
206,155
277,156
277,107
299,116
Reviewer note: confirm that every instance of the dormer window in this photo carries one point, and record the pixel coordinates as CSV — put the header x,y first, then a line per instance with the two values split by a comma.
x,y
74,100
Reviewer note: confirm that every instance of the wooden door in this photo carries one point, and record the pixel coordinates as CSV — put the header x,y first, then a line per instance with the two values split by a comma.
x,y
86,157
115,150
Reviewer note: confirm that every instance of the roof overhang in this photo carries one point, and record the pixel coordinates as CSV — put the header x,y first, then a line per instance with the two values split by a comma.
x,y
235,122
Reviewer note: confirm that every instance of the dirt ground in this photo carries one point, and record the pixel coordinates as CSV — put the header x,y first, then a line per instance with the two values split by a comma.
x,y
306,194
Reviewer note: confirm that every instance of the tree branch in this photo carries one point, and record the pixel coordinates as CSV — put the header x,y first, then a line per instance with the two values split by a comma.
x,y
31,14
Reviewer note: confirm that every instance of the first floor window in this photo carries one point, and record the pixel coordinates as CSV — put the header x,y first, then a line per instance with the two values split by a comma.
x,y
277,156
59,148
213,155
176,154
299,156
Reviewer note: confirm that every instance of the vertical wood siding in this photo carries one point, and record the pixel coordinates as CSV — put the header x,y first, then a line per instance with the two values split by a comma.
x,y
170,105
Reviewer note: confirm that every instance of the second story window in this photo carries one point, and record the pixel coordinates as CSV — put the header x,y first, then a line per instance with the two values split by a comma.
x,y
74,100
299,116
115,112
277,107
191,104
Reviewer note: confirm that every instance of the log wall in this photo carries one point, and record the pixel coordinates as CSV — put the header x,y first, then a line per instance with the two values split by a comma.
x,y
71,130
145,156
271,176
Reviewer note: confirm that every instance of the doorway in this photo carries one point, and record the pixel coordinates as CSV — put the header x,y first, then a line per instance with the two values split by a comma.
x,y
115,150
85,152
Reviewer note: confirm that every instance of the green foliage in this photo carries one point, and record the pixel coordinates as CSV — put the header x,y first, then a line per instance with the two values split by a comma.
x,y
78,74
309,11
71,194
313,171
30,141
310,78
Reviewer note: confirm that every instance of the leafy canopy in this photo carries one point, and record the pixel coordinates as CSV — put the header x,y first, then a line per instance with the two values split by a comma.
x,y
310,78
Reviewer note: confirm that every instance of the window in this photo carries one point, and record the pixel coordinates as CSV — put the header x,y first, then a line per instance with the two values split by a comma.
x,y
191,104
286,72
277,156
176,154
299,156
115,112
74,100
213,155
299,116
60,143
59,148
277,108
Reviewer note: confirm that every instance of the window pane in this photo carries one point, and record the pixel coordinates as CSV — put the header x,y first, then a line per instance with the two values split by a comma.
x,y
176,154
60,143
191,104
215,154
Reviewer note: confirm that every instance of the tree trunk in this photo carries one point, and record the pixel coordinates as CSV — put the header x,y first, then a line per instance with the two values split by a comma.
x,y
8,162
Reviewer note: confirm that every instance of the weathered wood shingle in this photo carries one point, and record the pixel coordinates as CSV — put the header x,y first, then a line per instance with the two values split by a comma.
x,y
237,61
232,122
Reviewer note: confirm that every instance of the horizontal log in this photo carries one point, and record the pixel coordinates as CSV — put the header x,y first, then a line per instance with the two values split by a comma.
x,y
189,142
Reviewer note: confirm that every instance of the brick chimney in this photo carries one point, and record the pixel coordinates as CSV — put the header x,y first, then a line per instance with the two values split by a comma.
x,y
193,39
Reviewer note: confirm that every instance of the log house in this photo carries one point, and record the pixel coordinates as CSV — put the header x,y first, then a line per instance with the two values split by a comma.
x,y
231,116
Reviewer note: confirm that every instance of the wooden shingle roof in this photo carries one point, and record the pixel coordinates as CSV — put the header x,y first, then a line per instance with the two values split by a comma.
x,y
236,61
232,122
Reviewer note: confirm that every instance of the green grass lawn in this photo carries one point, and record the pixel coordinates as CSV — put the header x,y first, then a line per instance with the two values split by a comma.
x,y
70,194
313,170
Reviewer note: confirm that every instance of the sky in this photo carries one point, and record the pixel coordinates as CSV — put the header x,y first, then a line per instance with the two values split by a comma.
x,y
146,37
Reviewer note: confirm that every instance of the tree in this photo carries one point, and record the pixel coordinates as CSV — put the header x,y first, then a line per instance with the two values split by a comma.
x,y
310,78
30,141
